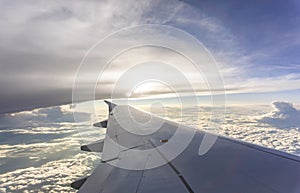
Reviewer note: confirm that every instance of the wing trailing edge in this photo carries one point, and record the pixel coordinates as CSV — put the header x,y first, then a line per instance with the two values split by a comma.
x,y
78,183
102,124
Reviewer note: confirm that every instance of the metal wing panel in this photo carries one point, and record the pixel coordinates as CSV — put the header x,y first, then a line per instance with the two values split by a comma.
x,y
125,131
160,179
229,166
122,180
234,167
96,181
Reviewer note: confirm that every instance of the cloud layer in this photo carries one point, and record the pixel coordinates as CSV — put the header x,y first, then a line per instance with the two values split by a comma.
x,y
40,149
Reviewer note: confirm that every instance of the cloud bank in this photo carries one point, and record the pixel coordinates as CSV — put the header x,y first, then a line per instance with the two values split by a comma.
x,y
39,149
284,115
43,117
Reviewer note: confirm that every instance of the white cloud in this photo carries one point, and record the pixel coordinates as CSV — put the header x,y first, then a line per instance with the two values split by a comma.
x,y
241,122
54,176
284,115
43,117
40,149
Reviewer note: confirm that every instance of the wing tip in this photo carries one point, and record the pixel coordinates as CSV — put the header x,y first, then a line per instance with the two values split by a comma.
x,y
111,105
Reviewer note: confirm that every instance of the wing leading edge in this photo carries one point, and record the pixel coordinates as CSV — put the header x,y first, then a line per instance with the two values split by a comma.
x,y
229,166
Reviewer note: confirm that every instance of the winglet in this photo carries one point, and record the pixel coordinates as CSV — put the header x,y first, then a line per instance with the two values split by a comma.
x,y
111,105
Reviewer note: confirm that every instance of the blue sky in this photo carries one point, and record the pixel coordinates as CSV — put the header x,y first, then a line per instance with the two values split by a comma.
x,y
255,43
267,31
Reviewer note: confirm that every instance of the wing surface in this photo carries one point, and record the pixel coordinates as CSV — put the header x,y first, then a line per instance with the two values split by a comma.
x,y
229,166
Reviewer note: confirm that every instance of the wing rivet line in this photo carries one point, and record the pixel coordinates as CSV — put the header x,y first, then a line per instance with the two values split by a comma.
x,y
183,180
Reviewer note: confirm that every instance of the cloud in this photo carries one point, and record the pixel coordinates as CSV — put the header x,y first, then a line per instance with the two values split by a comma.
x,y
40,149
240,122
284,115
41,48
54,176
42,44
43,117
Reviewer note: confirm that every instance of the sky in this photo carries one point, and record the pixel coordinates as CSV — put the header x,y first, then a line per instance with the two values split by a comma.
x,y
254,43
51,50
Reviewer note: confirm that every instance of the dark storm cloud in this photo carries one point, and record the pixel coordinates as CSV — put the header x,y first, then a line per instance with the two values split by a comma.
x,y
42,44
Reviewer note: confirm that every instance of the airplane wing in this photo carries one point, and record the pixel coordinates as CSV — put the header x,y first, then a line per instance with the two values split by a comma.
x,y
142,153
